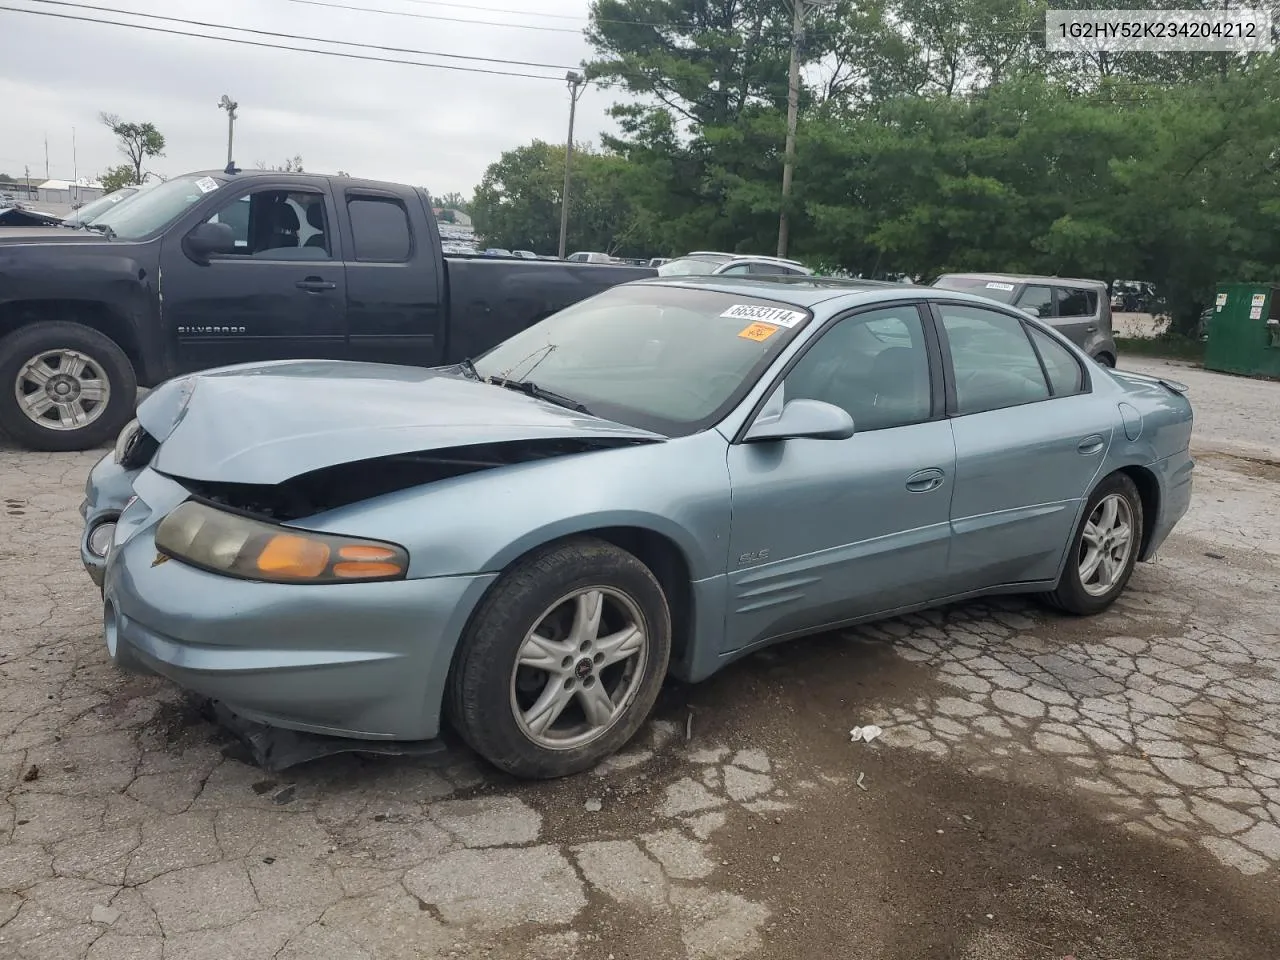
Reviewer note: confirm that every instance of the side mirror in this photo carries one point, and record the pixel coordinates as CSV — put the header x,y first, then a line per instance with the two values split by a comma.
x,y
803,420
208,239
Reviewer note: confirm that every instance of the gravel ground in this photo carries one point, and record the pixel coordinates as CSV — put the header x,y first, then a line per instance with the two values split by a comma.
x,y
1046,787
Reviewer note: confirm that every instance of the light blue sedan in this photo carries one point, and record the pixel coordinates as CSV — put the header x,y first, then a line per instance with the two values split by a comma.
x,y
660,479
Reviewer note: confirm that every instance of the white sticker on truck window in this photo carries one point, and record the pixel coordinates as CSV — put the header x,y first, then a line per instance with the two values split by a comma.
x,y
776,315
993,285
206,184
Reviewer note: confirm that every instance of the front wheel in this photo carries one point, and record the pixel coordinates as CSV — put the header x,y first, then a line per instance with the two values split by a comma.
x,y
1103,550
563,661
1106,360
64,386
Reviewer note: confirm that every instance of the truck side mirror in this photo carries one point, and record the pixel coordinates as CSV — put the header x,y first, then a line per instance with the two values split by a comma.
x,y
208,239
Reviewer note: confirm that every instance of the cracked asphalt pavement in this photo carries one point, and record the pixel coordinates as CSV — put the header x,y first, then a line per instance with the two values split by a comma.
x,y
1045,787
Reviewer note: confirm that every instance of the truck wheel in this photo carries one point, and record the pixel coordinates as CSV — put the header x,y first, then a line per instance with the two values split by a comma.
x,y
64,386
563,660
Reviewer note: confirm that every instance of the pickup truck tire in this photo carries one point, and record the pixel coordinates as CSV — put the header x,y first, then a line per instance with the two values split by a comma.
x,y
562,660
64,386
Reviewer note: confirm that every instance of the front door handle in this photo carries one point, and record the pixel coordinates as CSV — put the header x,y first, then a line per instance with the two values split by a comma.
x,y
316,285
1092,328
1091,445
922,481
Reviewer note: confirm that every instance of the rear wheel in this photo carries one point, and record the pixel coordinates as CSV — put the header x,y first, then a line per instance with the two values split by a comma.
x,y
563,661
1103,550
1106,359
64,386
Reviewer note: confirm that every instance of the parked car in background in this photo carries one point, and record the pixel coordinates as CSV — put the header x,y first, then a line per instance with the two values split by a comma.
x,y
86,214
1134,296
364,550
659,261
1078,309
20,215
584,257
704,263
524,254
212,268
496,252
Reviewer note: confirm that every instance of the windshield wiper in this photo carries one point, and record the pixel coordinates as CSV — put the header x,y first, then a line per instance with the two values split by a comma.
x,y
531,389
102,228
469,368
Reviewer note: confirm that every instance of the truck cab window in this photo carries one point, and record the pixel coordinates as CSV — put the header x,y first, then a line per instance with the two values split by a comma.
x,y
379,229
278,225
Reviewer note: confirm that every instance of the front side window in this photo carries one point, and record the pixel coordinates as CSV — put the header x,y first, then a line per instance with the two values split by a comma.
x,y
1037,300
666,359
1077,302
277,225
379,229
992,359
875,365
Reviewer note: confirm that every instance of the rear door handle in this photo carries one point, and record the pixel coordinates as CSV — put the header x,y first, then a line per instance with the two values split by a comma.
x,y
1091,445
922,481
316,285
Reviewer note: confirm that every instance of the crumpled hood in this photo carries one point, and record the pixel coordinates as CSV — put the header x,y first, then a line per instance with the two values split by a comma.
x,y
265,423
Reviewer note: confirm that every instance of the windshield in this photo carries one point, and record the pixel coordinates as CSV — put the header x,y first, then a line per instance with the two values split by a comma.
x,y
156,207
666,359
89,211
992,289
690,267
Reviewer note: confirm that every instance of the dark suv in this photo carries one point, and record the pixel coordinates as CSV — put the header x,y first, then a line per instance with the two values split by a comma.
x,y
1078,309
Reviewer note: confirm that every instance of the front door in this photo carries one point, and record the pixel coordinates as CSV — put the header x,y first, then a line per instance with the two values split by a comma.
x,y
280,295
826,531
1030,440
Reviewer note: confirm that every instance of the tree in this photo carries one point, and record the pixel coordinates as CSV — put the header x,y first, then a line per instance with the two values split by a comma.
x,y
138,141
517,205
290,165
5,178
453,201
117,177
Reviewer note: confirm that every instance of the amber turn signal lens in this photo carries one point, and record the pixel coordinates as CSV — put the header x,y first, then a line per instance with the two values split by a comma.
x,y
285,555
367,553
358,570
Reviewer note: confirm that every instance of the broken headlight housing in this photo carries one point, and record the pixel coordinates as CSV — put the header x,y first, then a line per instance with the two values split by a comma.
x,y
237,546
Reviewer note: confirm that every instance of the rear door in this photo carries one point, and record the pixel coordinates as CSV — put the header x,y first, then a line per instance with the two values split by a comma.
x,y
1031,438
1076,317
394,309
280,295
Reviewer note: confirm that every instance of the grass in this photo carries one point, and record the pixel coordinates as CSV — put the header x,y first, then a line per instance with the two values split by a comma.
x,y
1166,346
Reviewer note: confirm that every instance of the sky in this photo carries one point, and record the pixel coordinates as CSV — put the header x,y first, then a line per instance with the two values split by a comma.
x,y
429,127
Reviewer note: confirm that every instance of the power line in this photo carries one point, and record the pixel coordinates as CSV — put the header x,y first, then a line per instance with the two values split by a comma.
x,y
293,36
431,16
277,46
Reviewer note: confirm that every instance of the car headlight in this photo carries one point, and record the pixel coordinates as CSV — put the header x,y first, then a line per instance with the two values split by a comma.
x,y
127,436
238,546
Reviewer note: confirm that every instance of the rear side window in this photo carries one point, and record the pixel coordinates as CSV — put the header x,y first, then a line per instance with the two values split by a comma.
x,y
1065,374
1075,302
1038,301
379,229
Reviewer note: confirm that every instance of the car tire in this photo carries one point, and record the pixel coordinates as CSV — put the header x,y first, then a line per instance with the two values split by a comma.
x,y
1083,593
1106,360
40,351
492,697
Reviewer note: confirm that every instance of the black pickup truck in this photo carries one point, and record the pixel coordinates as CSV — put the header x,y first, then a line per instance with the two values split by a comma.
x,y
217,268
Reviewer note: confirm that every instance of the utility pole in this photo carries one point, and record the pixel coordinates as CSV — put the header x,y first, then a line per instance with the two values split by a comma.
x,y
793,111
227,104
75,168
46,155
576,85
27,169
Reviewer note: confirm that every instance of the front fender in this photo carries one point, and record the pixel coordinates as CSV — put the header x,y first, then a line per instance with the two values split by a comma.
x,y
481,522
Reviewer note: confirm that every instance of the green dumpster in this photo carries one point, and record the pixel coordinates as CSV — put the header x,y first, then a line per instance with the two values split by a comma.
x,y
1244,330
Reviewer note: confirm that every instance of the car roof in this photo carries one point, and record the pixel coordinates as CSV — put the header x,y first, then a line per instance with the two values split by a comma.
x,y
1024,278
804,291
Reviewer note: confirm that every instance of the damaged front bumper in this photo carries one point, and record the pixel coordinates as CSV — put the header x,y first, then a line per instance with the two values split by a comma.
x,y
361,660
107,492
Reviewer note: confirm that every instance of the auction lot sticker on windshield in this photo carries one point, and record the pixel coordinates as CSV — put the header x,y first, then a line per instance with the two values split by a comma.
x,y
778,316
993,285
206,184
758,332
